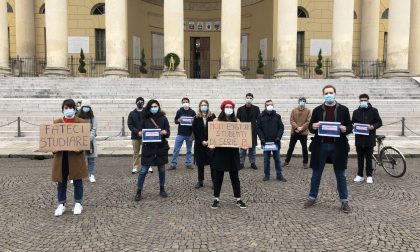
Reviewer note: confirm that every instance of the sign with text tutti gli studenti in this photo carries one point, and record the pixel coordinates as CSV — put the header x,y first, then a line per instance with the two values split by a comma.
x,y
230,134
64,137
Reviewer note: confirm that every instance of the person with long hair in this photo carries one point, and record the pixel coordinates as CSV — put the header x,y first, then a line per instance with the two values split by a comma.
x,y
69,165
200,125
86,113
154,153
226,160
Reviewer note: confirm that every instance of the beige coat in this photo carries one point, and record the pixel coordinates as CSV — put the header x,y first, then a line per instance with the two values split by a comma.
x,y
300,118
77,161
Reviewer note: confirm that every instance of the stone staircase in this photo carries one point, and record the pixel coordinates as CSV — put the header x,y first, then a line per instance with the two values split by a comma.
x,y
38,100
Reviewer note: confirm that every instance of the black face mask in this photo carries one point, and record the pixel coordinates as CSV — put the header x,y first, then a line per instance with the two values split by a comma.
x,y
140,105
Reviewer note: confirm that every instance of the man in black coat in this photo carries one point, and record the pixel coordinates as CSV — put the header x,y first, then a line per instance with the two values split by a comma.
x,y
327,148
249,113
366,114
134,121
270,128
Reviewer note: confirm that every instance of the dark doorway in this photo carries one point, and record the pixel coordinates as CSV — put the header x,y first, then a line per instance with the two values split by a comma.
x,y
200,58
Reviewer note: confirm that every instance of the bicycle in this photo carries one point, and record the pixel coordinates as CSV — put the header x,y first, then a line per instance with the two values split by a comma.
x,y
390,158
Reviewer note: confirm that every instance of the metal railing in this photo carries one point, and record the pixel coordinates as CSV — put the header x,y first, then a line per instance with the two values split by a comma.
x,y
34,67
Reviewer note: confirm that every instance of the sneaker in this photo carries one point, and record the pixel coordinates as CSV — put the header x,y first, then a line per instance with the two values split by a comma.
x,y
345,207
199,184
305,166
241,204
216,204
369,180
189,167
77,209
253,166
358,179
171,168
282,179
92,178
309,203
285,164
150,169
134,171
266,178
60,210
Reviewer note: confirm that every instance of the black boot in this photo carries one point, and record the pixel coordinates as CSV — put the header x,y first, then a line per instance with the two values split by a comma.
x,y
138,195
162,193
199,184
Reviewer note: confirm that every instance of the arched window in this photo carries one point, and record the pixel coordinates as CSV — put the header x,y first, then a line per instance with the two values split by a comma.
x,y
42,9
98,9
354,15
302,12
385,14
9,8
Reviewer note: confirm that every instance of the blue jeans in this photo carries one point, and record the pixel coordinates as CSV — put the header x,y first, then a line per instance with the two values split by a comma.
x,y
91,165
143,173
179,140
251,155
328,151
62,186
277,163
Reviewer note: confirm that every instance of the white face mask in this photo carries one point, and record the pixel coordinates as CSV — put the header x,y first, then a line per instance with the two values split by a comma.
x,y
186,105
270,108
228,111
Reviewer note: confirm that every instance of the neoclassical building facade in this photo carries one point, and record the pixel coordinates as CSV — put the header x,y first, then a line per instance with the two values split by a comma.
x,y
231,32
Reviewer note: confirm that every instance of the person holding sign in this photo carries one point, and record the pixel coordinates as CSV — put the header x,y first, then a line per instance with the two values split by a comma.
x,y
86,113
299,119
184,118
200,130
155,148
69,165
226,159
330,147
270,130
249,113
365,120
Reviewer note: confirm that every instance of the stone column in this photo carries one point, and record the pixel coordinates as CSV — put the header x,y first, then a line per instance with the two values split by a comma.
x,y
342,39
414,56
4,40
116,38
25,28
231,40
286,39
56,36
370,30
398,39
173,37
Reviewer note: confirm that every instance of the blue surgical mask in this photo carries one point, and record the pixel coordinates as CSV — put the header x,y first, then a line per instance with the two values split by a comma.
x,y
363,104
69,113
301,104
248,101
154,110
329,98
204,108
85,109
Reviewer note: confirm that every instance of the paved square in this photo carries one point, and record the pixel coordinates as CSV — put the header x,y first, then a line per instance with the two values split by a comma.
x,y
385,217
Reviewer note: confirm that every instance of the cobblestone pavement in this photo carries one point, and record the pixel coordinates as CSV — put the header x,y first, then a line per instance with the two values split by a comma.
x,y
385,214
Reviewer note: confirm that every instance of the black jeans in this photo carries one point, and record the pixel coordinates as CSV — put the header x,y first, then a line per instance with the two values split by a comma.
x,y
201,173
364,153
303,141
234,179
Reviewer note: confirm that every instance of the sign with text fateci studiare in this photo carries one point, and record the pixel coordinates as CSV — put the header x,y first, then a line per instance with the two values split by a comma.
x,y
64,137
229,134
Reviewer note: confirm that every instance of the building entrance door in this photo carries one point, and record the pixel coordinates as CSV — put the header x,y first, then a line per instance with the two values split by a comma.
x,y
200,58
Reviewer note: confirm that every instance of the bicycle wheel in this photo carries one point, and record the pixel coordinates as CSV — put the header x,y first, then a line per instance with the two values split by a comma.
x,y
393,161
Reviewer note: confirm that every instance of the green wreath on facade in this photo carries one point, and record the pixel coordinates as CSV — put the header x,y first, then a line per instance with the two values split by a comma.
x,y
171,61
